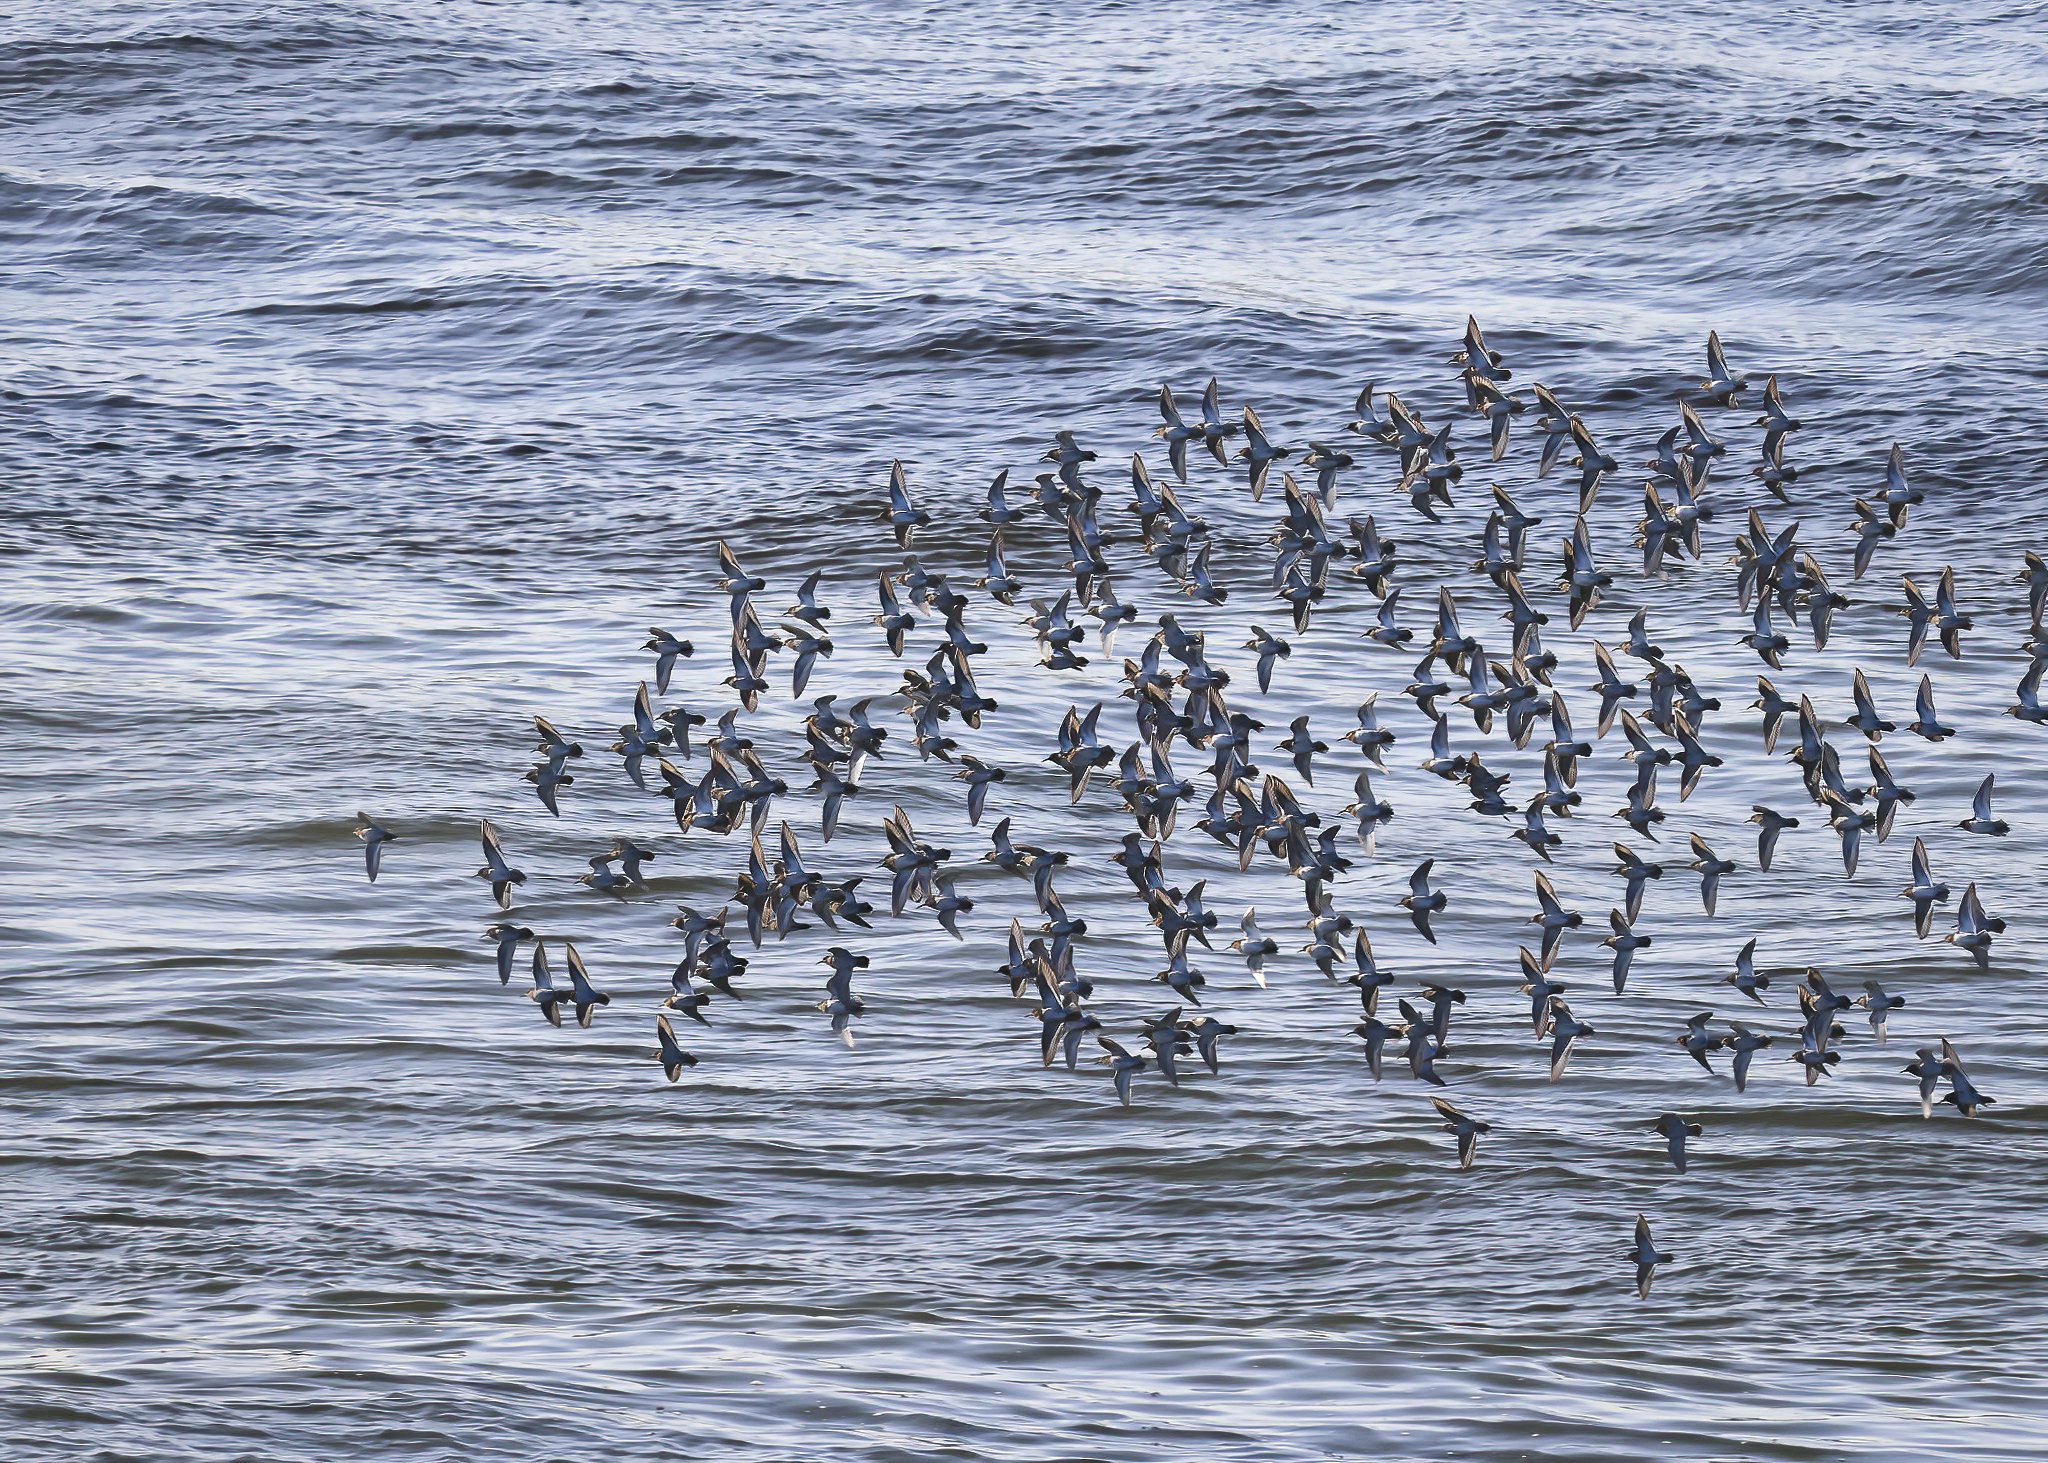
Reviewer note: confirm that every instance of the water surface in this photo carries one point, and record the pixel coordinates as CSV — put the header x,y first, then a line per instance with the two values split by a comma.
x,y
375,376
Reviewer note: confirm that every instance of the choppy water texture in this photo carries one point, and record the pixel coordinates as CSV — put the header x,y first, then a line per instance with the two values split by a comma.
x,y
375,375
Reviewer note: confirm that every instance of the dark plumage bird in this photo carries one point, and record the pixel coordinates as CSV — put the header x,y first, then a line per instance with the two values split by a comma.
x,y
840,1003
1927,1066
374,835
545,993
1258,454
1421,901
1369,736
1746,977
1206,1033
671,1055
902,516
1646,1256
1624,942
1925,891
1674,1130
1700,1042
1466,1127
583,996
1974,928
1255,946
1374,1033
1710,867
497,872
1963,1095
1770,825
668,649
1981,819
1123,1065
1565,1033
1878,1004
507,937
1272,649
1636,872
1552,917
1722,385
1745,1044
1302,748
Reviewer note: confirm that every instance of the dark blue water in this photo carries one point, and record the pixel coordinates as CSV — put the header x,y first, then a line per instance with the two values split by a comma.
x,y
375,375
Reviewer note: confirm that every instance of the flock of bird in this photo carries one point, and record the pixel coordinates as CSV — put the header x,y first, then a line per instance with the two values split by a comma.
x,y
1183,704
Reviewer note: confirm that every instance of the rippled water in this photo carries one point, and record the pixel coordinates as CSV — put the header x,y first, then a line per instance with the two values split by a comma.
x,y
374,375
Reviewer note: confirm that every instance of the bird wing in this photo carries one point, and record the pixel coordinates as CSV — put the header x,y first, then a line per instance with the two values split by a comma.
x,y
579,977
494,851
1255,432
1562,1040
1895,472
1970,913
1447,615
899,490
